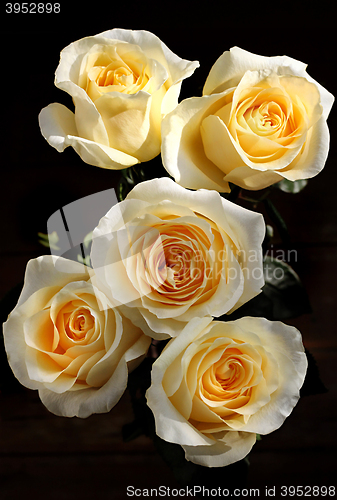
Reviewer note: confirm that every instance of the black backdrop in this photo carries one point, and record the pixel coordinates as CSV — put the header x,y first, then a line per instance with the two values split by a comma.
x,y
36,181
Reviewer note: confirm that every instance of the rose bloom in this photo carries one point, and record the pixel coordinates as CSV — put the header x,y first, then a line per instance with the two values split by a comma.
x,y
65,339
166,254
260,120
122,83
218,384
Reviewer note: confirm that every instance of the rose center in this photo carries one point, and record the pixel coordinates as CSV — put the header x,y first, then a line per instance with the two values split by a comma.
x,y
264,119
118,76
79,323
267,121
229,373
179,264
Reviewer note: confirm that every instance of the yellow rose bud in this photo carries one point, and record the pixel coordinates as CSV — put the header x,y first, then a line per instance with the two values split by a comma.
x,y
122,83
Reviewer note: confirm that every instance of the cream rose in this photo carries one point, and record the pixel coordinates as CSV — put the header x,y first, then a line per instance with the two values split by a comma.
x,y
122,83
66,340
260,120
167,254
219,383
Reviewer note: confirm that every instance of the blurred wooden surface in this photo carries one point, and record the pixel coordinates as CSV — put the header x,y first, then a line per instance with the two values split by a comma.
x,y
55,457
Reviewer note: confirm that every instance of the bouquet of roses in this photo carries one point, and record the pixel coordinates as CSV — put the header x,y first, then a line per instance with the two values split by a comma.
x,y
173,283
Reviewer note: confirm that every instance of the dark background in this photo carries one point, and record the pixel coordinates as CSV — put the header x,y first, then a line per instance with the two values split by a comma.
x,y
72,458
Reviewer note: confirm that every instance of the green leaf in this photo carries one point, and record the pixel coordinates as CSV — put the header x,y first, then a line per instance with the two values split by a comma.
x,y
283,295
285,290
129,178
84,260
88,239
291,186
49,240
277,219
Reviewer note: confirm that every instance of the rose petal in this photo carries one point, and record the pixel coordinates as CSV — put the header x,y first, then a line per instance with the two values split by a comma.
x,y
182,149
57,127
313,156
235,447
178,69
231,65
